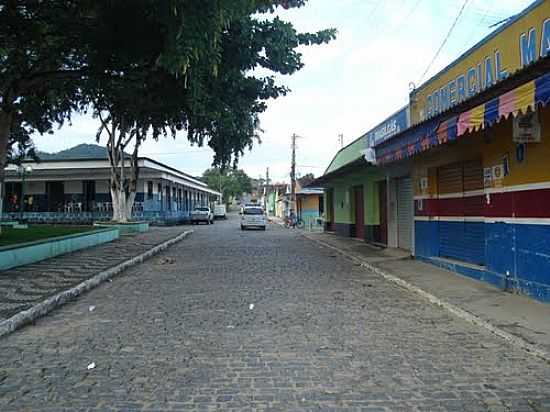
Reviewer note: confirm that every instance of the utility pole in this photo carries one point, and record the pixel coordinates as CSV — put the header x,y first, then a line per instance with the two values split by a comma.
x,y
293,174
266,191
341,140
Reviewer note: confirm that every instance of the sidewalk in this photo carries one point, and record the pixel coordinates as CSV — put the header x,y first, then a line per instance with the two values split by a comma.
x,y
516,315
25,288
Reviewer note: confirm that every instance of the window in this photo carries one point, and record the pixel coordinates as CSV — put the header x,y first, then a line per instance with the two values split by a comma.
x,y
149,190
253,211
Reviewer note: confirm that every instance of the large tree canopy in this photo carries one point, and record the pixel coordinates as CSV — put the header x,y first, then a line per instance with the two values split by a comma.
x,y
146,67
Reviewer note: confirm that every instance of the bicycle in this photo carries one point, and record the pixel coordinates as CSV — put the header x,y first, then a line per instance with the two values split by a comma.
x,y
292,222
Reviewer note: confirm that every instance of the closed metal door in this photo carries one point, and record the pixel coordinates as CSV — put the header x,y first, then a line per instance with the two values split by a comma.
x,y
382,205
404,213
461,229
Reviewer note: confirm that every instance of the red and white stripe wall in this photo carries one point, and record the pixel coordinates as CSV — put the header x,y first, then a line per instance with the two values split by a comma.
x,y
482,207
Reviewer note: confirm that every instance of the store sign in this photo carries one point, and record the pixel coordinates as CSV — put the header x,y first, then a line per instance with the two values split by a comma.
x,y
527,128
389,127
507,50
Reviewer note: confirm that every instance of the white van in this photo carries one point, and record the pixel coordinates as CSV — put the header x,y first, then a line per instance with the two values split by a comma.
x,y
220,211
253,216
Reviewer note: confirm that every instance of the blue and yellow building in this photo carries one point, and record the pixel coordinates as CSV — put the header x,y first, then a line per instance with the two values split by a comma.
x,y
466,185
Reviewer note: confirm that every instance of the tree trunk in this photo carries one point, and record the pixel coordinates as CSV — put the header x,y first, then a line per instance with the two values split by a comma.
x,y
130,204
115,203
5,129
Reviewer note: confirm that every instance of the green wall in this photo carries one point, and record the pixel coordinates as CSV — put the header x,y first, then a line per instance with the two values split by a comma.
x,y
344,200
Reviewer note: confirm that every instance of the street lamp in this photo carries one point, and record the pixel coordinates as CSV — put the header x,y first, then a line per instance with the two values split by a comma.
x,y
23,171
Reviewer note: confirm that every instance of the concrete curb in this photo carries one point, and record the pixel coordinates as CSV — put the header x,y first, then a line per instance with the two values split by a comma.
x,y
27,316
455,310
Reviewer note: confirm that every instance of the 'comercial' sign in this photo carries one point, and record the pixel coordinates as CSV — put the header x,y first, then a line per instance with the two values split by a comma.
x,y
515,45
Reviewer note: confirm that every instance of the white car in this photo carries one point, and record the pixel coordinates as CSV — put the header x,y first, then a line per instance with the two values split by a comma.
x,y
202,214
253,216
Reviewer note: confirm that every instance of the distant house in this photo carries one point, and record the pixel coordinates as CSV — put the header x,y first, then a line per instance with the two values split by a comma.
x,y
309,201
276,199
74,186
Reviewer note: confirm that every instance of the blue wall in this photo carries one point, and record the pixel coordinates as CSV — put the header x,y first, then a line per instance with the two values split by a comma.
x,y
517,256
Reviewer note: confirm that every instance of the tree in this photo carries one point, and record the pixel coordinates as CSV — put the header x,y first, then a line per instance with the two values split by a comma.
x,y
214,101
226,112
232,183
41,56
60,56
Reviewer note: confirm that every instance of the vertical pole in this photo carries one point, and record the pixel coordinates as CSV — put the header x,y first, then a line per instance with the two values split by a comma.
x,y
293,175
220,183
120,202
22,200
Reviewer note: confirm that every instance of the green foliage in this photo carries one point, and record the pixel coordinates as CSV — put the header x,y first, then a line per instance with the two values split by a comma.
x,y
162,66
231,183
21,148
12,236
226,108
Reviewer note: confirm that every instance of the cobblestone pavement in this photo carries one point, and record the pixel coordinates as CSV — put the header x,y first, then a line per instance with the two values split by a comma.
x,y
179,333
23,287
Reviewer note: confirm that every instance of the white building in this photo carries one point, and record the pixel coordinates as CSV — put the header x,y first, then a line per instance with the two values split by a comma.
x,y
73,186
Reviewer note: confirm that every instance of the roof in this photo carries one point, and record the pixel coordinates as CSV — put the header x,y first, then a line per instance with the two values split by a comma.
x,y
348,154
324,180
96,152
310,191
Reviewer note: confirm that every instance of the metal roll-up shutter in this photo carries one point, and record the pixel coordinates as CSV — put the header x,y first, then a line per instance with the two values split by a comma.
x,y
451,225
461,233
404,213
474,227
450,179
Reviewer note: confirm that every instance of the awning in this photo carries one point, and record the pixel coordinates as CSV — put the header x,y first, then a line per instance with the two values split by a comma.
x,y
517,101
328,178
436,132
419,139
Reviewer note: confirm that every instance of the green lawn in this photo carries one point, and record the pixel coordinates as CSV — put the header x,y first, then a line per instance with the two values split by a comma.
x,y
12,236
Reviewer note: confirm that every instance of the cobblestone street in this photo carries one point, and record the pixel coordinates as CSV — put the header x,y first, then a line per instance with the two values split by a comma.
x,y
23,287
261,321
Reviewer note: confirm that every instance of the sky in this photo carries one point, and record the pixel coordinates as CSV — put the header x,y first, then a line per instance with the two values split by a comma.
x,y
346,87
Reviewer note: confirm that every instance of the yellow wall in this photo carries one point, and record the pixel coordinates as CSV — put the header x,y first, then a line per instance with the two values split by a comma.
x,y
506,43
310,202
491,146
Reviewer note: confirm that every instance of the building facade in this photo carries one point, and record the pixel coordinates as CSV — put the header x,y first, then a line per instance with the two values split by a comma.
x,y
77,190
356,192
466,185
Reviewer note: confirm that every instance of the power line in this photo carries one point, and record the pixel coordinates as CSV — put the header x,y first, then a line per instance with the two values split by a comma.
x,y
444,40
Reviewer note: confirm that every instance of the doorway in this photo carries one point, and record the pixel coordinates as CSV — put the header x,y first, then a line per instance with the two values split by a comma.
x,y
359,212
55,193
382,210
330,218
405,214
88,190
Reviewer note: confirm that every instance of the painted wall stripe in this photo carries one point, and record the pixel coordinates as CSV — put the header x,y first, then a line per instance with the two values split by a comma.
x,y
510,220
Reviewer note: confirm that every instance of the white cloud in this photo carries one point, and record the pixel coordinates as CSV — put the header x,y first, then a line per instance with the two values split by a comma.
x,y
346,87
